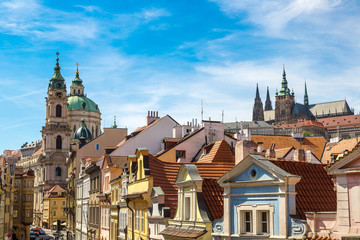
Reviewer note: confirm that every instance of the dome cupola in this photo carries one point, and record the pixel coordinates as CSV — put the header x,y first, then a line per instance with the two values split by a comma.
x,y
82,133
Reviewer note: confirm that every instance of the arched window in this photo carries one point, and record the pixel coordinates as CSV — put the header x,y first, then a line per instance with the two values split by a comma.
x,y
58,172
79,91
97,133
58,142
74,91
74,128
58,110
92,131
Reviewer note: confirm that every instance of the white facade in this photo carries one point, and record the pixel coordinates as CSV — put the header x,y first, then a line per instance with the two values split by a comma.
x,y
151,137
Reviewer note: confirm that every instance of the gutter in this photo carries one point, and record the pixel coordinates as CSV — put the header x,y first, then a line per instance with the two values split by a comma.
x,y
132,218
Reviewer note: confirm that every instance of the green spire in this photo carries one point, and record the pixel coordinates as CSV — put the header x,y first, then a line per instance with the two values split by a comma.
x,y
306,98
77,81
57,81
284,84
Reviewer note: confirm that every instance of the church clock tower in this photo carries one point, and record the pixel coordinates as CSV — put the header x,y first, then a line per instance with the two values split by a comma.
x,y
56,133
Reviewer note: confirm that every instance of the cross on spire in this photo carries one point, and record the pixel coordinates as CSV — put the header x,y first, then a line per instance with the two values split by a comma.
x,y
77,68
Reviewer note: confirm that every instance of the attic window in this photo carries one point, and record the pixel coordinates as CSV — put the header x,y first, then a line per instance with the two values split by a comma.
x,y
253,173
180,154
83,105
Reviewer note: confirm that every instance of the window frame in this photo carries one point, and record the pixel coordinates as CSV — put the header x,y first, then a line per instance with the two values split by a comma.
x,y
256,219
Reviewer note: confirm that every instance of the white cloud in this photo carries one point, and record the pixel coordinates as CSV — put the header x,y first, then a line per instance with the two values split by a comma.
x,y
38,22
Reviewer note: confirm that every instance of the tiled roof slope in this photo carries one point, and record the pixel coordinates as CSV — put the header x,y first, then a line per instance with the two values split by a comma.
x,y
338,148
316,144
220,152
315,191
343,121
282,152
164,175
54,191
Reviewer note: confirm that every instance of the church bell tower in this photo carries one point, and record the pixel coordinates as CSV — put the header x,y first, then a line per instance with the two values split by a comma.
x,y
56,133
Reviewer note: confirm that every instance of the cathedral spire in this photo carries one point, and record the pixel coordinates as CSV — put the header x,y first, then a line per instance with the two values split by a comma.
x,y
306,98
268,105
258,111
77,88
257,92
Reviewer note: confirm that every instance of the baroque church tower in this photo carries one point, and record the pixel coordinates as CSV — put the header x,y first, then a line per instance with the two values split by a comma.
x,y
258,111
56,133
284,101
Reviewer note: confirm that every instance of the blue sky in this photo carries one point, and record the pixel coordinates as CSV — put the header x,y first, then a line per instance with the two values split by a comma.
x,y
167,56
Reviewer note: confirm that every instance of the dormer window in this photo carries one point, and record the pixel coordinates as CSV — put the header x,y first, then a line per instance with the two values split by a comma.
x,y
255,219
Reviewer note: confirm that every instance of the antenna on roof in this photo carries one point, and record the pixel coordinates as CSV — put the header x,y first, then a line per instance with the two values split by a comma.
x,y
202,110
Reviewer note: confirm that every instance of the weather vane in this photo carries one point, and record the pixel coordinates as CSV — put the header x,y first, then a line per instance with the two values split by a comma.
x,y
57,54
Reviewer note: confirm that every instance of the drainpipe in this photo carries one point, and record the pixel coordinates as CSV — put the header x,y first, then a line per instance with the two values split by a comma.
x,y
118,221
132,219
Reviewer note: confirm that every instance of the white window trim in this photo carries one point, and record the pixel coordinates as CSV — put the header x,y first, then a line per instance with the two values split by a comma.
x,y
256,220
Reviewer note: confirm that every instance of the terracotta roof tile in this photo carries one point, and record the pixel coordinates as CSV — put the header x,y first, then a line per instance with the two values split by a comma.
x,y
342,121
220,152
338,148
282,152
183,233
164,175
316,144
315,191
53,192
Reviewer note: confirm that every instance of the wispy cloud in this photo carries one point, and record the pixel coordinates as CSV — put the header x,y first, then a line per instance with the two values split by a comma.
x,y
39,22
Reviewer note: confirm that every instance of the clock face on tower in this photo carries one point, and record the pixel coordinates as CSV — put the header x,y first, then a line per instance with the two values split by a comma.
x,y
59,94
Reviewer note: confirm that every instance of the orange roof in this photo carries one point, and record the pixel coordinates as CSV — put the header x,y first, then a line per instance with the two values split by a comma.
x,y
316,144
220,152
313,123
338,148
54,191
342,121
282,152
12,153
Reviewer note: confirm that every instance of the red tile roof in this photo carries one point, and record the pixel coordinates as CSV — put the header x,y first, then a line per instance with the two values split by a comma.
x,y
164,175
300,124
315,191
316,144
342,121
54,191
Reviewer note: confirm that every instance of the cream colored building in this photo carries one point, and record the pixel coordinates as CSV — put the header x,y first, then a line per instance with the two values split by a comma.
x,y
63,116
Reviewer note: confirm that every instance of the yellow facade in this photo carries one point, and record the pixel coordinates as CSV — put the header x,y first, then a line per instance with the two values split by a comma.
x,y
138,195
115,198
54,205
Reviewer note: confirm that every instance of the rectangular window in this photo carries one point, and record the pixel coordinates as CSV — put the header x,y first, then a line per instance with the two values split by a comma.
x,y
54,213
15,198
180,154
187,208
137,219
64,203
264,222
15,213
16,183
142,220
247,220
29,183
97,147
54,202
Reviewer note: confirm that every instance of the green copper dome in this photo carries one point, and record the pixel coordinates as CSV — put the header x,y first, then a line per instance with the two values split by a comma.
x,y
82,103
82,133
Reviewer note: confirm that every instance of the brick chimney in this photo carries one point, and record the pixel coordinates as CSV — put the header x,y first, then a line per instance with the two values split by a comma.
x,y
152,116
